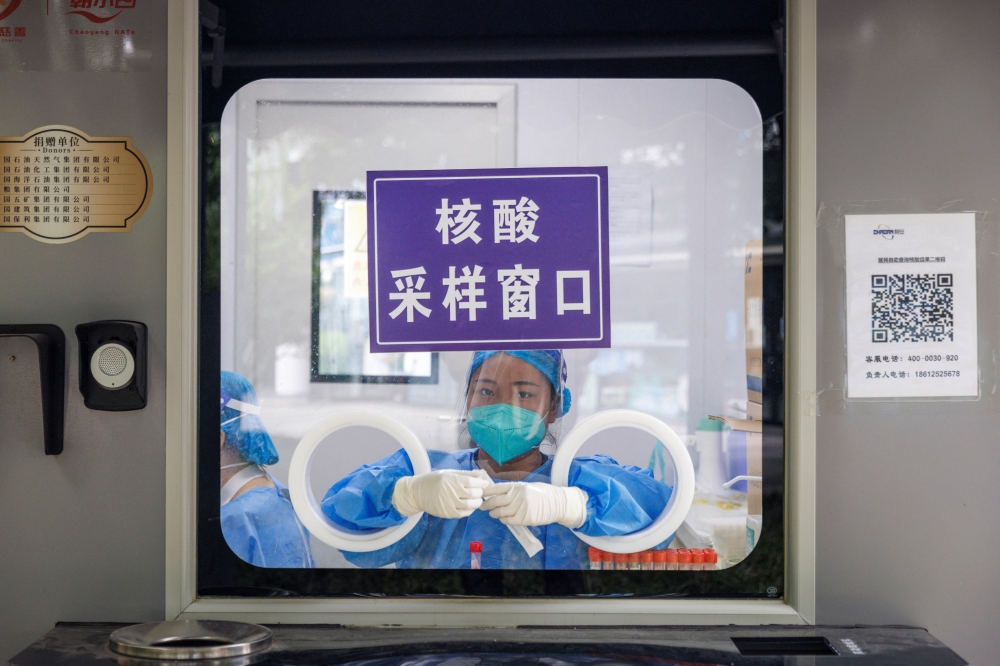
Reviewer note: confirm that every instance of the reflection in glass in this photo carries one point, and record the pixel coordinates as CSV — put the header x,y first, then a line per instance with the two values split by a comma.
x,y
340,300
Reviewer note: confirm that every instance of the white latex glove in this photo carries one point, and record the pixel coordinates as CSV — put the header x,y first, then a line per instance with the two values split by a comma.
x,y
445,493
533,504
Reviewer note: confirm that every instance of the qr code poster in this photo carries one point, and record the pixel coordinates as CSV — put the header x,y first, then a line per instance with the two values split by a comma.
x,y
911,306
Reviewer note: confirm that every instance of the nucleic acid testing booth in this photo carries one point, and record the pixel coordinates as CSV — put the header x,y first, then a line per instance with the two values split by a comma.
x,y
484,333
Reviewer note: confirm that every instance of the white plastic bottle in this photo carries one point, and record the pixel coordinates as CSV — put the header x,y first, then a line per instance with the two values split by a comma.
x,y
711,474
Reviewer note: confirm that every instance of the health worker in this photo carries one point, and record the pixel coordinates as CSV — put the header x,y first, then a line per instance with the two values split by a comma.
x,y
258,521
513,404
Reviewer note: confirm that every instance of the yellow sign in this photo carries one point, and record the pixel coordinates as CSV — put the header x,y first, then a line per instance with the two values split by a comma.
x,y
60,184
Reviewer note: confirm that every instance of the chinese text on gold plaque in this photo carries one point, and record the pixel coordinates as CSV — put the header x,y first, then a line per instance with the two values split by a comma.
x,y
60,184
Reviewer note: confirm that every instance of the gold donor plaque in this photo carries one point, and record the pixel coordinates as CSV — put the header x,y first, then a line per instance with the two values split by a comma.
x,y
60,184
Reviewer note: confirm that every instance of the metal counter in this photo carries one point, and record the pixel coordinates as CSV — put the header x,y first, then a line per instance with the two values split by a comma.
x,y
77,644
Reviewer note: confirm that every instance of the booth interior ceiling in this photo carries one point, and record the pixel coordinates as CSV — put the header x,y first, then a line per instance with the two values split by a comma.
x,y
691,233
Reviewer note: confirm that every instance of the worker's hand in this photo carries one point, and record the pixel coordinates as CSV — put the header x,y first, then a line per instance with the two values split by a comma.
x,y
533,504
446,493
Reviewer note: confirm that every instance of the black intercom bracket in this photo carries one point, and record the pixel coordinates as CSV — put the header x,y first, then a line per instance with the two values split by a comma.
x,y
51,343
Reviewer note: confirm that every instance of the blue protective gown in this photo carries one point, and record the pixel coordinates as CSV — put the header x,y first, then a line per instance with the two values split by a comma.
x,y
261,527
623,499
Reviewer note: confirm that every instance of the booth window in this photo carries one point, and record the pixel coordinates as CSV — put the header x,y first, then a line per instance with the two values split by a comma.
x,y
324,441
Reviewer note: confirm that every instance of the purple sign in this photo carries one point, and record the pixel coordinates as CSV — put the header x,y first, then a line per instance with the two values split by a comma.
x,y
488,259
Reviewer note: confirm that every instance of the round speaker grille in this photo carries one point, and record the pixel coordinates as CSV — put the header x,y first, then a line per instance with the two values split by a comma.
x,y
112,361
112,365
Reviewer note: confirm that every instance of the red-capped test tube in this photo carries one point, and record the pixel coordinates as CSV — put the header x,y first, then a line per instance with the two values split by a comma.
x,y
697,559
684,559
621,561
594,554
659,560
476,554
646,560
711,560
672,559
608,560
633,562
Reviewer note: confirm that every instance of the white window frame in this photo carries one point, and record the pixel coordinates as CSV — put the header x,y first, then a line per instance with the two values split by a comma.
x,y
798,606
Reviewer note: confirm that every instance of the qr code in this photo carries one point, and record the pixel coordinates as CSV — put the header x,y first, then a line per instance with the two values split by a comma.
x,y
913,308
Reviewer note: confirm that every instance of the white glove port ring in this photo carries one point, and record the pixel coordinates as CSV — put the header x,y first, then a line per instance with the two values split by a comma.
x,y
300,489
680,500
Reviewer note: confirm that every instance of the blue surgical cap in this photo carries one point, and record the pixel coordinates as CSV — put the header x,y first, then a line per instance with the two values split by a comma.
x,y
244,429
549,362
